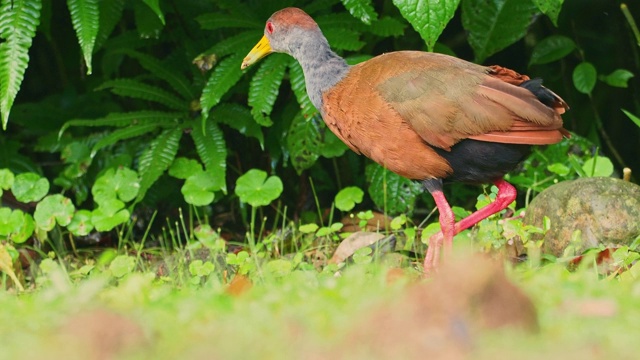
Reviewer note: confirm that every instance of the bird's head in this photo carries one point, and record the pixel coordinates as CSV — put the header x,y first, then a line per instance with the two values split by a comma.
x,y
283,32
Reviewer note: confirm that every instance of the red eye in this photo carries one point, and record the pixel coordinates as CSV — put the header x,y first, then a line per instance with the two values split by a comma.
x,y
269,27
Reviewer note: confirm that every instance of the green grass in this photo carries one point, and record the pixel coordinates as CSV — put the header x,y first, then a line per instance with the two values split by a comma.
x,y
310,314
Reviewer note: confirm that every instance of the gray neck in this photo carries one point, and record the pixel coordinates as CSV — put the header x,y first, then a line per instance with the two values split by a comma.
x,y
322,67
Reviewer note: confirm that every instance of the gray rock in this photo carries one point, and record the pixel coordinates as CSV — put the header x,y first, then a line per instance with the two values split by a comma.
x,y
605,210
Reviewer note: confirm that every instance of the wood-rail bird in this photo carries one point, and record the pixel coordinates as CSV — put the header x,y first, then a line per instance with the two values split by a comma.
x,y
425,116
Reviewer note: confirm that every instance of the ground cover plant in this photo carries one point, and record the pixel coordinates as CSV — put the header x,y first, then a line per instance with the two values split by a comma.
x,y
158,202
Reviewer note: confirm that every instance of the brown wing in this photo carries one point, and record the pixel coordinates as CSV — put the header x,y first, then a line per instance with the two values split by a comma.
x,y
446,99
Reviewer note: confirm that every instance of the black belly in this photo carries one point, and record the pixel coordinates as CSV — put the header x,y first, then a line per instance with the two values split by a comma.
x,y
476,161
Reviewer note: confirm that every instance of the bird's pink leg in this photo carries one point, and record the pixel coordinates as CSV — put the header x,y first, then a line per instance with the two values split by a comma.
x,y
506,195
447,231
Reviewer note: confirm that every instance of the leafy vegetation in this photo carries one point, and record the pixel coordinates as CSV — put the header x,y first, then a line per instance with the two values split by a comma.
x,y
138,159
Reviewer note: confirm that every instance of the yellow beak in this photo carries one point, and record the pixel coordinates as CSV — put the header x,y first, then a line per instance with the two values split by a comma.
x,y
262,49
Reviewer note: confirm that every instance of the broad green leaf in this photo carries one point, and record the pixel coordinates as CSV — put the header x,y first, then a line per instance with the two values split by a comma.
x,y
52,209
122,265
308,228
347,198
157,158
217,20
633,118
390,191
126,119
256,189
304,141
81,224
29,187
223,77
238,117
109,214
428,17
618,78
584,77
122,134
155,6
182,168
361,9
559,168
198,189
6,179
551,48
298,85
85,17
551,8
18,22
331,145
122,183
264,86
212,150
598,166
16,225
495,24
137,90
387,26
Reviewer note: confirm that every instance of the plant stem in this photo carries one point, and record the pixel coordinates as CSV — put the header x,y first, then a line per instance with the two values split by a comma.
x,y
631,21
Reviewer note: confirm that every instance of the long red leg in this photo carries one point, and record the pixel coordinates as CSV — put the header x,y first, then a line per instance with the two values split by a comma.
x,y
506,195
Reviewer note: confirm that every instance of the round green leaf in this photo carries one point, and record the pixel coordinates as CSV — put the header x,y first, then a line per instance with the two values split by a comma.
x,y
182,168
15,225
198,189
122,183
122,265
255,189
109,215
618,78
552,48
28,187
348,197
598,166
584,77
81,224
6,179
54,208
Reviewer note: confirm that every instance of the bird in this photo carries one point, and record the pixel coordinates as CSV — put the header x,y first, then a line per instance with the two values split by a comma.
x,y
426,116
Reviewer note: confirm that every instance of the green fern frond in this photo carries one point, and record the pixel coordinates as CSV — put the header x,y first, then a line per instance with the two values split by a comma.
x,y
304,141
85,17
320,5
340,20
157,159
264,87
361,9
126,119
18,22
344,39
212,150
234,44
238,117
135,89
223,77
110,15
177,81
213,21
388,26
155,6
122,134
298,85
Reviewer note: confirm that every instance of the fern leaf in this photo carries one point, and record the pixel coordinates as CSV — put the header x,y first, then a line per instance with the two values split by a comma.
x,y
264,87
361,9
213,21
126,119
85,16
238,117
344,39
157,159
298,85
18,22
122,134
223,77
340,20
304,141
233,44
110,14
155,6
212,150
135,89
177,81
387,26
